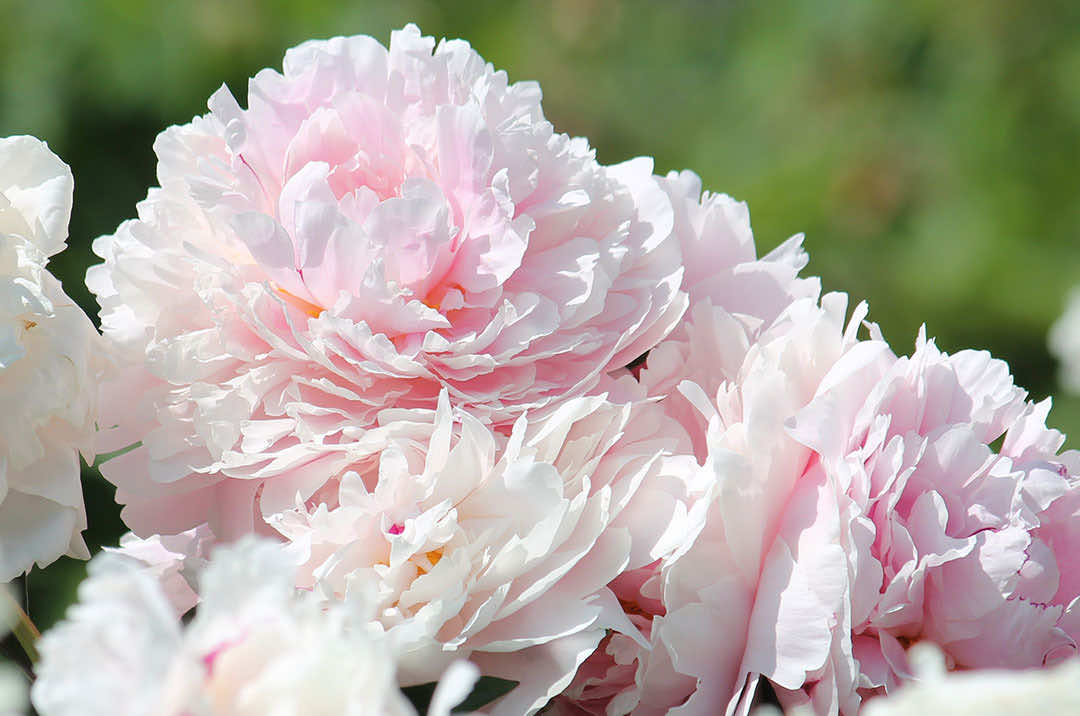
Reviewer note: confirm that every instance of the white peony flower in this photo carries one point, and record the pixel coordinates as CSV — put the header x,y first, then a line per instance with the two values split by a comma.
x,y
984,692
1064,341
500,548
256,647
50,364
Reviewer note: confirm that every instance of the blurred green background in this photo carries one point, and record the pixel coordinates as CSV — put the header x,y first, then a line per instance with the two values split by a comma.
x,y
928,150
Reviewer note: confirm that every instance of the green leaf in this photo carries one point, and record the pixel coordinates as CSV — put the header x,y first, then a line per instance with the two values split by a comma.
x,y
105,457
420,696
487,689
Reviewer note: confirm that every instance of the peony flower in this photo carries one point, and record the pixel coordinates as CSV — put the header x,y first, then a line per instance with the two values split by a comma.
x,y
501,548
377,226
720,259
989,692
734,298
853,496
909,441
745,594
174,561
50,364
761,589
255,646
608,682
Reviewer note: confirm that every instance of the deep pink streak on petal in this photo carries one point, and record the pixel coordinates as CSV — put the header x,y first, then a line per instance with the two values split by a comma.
x,y
396,529
212,656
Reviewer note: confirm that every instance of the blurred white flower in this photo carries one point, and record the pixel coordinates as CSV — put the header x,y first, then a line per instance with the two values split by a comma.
x,y
256,646
500,548
1064,340
12,692
984,692
50,364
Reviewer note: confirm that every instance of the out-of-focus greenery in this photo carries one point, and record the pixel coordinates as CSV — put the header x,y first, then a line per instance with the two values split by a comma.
x,y
928,150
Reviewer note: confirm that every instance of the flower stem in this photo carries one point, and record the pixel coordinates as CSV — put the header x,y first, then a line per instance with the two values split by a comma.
x,y
25,632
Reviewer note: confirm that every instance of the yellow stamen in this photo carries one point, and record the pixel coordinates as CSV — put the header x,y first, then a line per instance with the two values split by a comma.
x,y
307,307
437,295
433,557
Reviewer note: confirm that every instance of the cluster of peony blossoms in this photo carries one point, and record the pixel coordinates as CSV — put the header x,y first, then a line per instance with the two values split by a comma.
x,y
421,392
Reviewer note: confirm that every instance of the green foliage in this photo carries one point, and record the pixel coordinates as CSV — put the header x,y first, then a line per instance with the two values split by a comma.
x,y
487,689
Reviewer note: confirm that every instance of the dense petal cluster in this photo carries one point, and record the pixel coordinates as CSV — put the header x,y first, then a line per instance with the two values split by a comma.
x,y
909,441
255,646
380,224
849,496
734,296
766,563
737,301
500,548
50,363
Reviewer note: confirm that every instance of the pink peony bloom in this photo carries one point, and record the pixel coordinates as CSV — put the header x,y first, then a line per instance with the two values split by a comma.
x,y
851,496
721,262
734,298
747,593
761,589
173,560
971,549
50,363
501,548
379,225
